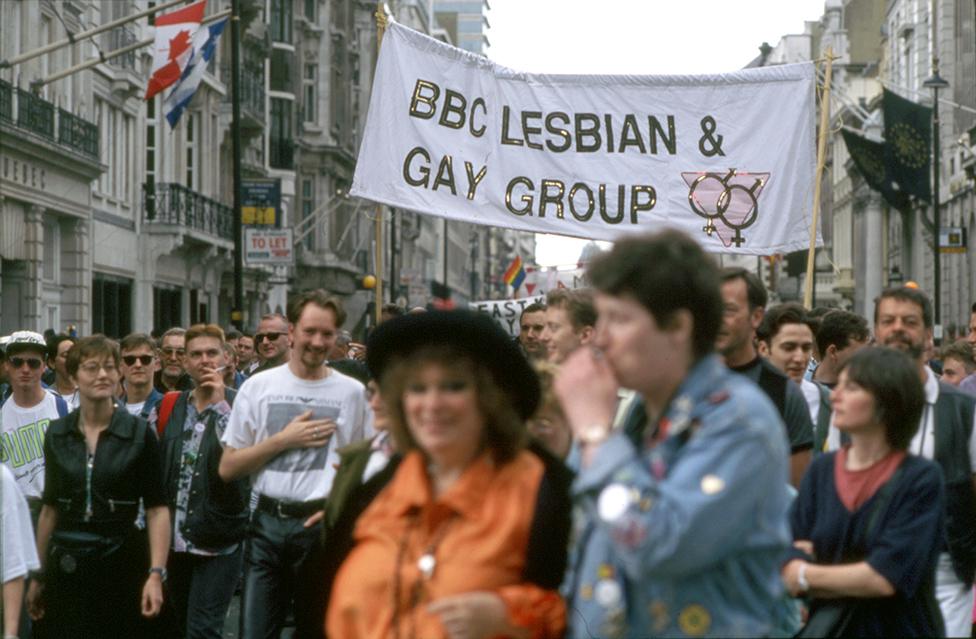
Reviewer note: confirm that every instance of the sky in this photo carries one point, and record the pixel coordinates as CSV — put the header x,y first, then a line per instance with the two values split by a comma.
x,y
635,37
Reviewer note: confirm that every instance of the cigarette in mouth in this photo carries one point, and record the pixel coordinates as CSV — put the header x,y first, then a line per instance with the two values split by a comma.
x,y
219,369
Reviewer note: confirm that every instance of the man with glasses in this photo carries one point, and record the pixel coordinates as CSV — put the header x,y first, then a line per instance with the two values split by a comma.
x,y
27,414
171,375
138,359
271,342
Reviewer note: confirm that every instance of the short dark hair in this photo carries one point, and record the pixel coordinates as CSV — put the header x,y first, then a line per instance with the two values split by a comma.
x,y
504,431
54,342
755,291
665,272
780,315
891,377
961,350
95,346
392,309
578,304
133,341
319,298
232,333
534,307
906,294
838,328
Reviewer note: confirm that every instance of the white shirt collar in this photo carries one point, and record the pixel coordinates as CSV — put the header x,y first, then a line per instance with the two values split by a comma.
x,y
931,386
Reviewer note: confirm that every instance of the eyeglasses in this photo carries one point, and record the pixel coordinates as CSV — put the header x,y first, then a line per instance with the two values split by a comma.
x,y
92,368
170,351
130,360
260,337
31,362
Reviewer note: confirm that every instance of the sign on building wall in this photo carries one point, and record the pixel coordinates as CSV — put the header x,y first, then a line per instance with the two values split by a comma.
x,y
261,202
269,246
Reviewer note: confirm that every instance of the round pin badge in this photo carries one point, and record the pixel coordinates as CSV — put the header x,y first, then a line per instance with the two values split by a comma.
x,y
607,593
613,502
199,427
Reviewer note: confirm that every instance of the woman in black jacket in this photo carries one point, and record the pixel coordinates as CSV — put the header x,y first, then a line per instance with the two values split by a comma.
x,y
96,578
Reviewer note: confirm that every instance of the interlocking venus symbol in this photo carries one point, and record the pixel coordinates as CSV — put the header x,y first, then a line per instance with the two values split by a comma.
x,y
733,199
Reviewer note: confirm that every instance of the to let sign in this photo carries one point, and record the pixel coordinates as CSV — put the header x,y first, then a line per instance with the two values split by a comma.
x,y
269,246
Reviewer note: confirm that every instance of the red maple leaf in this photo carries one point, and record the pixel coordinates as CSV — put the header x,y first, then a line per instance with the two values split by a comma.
x,y
179,44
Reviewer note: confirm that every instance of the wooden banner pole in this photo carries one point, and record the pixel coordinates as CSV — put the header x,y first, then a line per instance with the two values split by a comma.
x,y
380,30
822,134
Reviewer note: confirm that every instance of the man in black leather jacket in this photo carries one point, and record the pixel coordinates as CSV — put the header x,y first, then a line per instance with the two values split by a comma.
x,y
209,515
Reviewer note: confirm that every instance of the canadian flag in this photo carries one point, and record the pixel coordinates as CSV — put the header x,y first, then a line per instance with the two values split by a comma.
x,y
174,45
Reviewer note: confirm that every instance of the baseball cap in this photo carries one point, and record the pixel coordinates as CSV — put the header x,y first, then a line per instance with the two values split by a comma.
x,y
25,340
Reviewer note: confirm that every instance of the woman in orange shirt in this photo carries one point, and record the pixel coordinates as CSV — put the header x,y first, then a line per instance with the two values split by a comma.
x,y
469,538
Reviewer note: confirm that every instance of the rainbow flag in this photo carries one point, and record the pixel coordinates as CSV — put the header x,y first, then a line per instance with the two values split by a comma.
x,y
515,274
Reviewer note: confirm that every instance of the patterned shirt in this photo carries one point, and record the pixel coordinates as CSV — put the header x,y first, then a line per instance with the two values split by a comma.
x,y
193,430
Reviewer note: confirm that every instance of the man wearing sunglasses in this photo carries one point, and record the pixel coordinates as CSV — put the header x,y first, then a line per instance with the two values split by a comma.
x,y
271,342
27,414
172,375
138,358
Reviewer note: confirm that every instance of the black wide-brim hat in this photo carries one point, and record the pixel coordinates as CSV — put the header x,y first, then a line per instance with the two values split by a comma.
x,y
468,331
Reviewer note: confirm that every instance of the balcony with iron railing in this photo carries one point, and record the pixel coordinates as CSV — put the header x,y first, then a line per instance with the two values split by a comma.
x,y
251,93
24,111
173,205
117,38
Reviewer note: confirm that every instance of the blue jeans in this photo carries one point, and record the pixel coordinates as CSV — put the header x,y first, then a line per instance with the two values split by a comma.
x,y
279,554
200,589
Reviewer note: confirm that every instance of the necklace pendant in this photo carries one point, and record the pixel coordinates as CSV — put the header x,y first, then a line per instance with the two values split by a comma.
x,y
426,565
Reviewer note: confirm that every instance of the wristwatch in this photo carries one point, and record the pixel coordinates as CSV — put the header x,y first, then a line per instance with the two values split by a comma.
x,y
801,578
160,571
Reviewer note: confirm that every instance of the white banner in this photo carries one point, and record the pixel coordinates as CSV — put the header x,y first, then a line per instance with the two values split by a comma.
x,y
727,158
507,313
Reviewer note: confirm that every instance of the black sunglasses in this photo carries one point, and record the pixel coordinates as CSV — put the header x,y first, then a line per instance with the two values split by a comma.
x,y
260,337
130,360
33,363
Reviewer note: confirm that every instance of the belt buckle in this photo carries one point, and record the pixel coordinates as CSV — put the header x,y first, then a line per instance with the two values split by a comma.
x,y
281,514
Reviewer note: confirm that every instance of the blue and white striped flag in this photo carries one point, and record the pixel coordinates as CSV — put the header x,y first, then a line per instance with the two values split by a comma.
x,y
204,48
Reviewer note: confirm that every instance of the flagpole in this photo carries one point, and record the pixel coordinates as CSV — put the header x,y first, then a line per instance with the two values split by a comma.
x,y
72,39
237,312
818,175
380,30
105,57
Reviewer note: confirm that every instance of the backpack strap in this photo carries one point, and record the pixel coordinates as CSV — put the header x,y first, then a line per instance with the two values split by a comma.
x,y
62,406
165,410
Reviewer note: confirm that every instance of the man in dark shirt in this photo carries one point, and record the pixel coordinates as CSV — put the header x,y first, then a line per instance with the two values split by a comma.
x,y
271,342
840,335
172,375
745,300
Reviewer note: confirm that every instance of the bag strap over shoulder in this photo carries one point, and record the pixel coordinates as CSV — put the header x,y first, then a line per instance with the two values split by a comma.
x,y
165,410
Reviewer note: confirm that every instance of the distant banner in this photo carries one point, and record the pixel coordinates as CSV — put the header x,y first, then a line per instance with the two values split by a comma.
x,y
506,312
727,158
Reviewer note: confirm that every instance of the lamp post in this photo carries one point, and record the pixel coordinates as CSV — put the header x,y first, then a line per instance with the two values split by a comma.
x,y
936,82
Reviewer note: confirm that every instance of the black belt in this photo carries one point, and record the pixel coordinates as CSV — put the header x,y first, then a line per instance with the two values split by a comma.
x,y
289,509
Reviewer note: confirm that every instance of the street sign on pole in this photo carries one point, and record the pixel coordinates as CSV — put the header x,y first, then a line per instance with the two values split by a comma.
x,y
261,202
269,246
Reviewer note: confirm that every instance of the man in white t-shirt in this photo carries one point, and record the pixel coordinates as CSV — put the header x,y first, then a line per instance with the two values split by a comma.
x,y
26,415
285,427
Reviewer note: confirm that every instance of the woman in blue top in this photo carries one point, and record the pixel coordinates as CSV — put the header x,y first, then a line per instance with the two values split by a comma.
x,y
868,520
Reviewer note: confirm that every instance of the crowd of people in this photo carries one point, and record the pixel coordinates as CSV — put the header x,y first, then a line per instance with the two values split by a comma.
x,y
660,454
